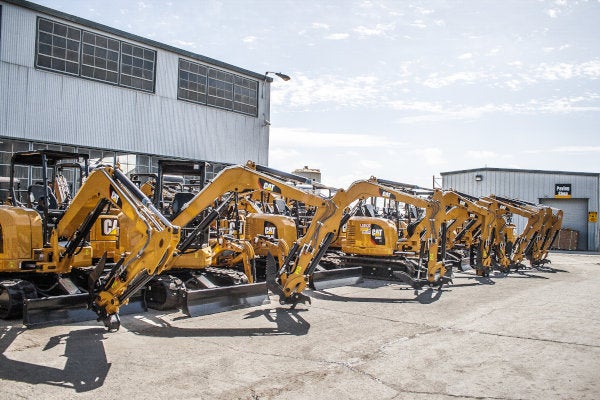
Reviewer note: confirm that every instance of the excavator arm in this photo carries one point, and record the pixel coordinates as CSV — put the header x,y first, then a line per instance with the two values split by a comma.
x,y
473,221
147,238
535,220
306,253
251,179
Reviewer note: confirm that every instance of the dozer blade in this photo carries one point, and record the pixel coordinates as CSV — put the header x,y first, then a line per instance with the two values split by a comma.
x,y
220,299
70,308
326,279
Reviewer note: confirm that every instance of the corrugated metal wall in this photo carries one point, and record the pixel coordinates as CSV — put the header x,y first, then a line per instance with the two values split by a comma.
x,y
46,106
532,186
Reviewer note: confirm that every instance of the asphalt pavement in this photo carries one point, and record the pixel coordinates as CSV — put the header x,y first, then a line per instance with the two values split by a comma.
x,y
528,335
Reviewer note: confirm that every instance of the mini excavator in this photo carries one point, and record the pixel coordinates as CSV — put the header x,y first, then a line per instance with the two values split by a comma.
x,y
224,227
47,272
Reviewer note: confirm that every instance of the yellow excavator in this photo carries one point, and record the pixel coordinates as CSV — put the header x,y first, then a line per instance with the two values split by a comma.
x,y
386,246
539,255
46,268
301,268
223,221
470,230
534,240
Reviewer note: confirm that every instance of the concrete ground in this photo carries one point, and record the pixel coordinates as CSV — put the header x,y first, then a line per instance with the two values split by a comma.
x,y
534,335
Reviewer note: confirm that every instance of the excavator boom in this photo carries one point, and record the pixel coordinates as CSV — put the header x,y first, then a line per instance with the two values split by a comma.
x,y
148,241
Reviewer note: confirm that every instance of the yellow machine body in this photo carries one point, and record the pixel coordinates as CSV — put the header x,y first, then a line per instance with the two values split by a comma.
x,y
104,236
22,247
370,236
279,227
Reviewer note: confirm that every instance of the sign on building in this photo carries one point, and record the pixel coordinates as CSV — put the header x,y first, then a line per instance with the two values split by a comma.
x,y
562,191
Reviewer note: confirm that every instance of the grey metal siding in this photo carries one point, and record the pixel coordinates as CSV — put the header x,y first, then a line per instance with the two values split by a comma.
x,y
575,213
533,186
52,107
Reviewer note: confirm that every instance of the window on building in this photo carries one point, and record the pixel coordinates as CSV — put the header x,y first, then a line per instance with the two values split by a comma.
x,y
220,89
245,96
58,47
137,67
63,48
192,81
0,27
213,87
100,59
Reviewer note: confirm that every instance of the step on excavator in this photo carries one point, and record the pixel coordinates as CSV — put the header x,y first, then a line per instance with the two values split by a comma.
x,y
47,272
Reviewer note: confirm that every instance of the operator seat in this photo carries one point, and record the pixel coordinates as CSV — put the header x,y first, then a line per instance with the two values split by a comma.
x,y
37,197
179,199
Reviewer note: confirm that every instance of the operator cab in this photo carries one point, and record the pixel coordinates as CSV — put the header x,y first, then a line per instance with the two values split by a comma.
x,y
54,175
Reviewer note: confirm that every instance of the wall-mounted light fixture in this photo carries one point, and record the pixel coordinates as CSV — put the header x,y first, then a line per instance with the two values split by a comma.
x,y
478,178
279,74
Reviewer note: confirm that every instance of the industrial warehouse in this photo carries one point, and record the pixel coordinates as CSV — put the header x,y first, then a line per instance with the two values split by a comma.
x,y
147,247
76,85
576,193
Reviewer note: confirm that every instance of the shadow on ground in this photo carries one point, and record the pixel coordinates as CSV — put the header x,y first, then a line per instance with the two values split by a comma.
x,y
287,322
86,367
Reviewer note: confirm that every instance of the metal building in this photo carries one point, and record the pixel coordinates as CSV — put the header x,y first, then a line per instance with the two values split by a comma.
x,y
67,83
576,193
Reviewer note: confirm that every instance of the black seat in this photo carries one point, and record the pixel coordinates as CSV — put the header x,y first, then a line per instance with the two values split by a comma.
x,y
280,208
37,197
179,199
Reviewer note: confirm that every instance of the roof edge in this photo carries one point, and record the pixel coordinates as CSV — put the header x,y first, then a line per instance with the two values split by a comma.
x,y
532,171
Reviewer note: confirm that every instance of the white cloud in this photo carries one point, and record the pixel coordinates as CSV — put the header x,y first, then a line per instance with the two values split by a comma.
x,y
282,137
420,111
481,154
249,39
424,11
435,81
337,36
566,149
319,25
303,91
522,74
182,43
377,30
466,56
419,23
370,164
431,155
552,12
590,69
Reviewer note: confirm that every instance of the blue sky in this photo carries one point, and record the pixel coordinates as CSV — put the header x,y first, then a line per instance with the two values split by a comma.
x,y
401,90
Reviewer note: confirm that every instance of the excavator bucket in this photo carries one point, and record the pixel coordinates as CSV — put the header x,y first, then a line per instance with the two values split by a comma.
x,y
220,299
71,308
75,307
325,279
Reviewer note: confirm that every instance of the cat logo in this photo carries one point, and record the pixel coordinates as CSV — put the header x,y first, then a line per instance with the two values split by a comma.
x,y
377,235
110,226
270,230
268,186
386,194
114,196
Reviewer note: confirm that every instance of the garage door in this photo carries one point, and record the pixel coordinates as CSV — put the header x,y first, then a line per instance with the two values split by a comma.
x,y
575,217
